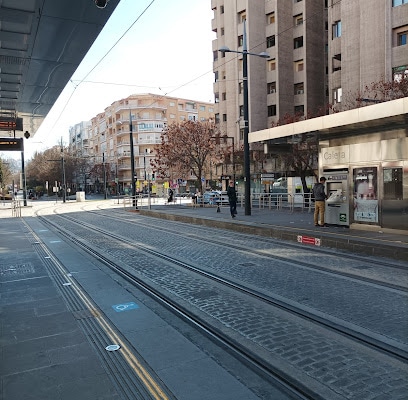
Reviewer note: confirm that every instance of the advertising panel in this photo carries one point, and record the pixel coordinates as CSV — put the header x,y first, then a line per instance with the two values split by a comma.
x,y
365,194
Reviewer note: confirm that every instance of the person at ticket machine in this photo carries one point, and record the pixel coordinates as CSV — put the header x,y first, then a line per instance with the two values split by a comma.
x,y
320,198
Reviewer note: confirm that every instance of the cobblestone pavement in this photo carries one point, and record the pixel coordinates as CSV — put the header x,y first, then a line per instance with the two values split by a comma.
x,y
319,358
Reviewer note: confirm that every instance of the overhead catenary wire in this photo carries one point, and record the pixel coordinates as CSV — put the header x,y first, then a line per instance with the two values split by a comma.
x,y
76,84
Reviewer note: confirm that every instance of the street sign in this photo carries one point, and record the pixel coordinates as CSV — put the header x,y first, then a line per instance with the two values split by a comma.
x,y
11,124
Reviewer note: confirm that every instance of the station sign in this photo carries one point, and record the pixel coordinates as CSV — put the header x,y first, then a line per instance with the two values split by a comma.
x,y
267,179
11,124
11,144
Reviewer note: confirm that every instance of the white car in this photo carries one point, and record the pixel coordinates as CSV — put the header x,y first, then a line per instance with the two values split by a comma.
x,y
281,183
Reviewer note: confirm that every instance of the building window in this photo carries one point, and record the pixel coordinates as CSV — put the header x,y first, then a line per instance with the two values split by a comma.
x,y
336,29
337,95
298,19
271,87
222,31
298,1
216,97
402,38
224,96
272,110
215,55
396,3
216,76
202,108
240,40
240,88
222,10
217,118
298,42
270,18
299,66
336,62
241,111
299,88
272,65
242,17
270,41
300,110
224,117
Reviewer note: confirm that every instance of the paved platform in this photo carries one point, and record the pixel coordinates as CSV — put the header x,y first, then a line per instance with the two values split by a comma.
x,y
53,347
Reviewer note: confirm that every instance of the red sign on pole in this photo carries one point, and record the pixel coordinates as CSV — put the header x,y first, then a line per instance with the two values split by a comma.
x,y
308,240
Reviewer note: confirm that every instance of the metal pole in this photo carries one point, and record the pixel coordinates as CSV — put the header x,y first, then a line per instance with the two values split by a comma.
x,y
132,161
104,176
233,157
247,176
23,180
64,188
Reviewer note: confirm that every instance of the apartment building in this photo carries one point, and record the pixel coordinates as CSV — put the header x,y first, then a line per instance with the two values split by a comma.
x,y
79,139
145,115
291,81
367,43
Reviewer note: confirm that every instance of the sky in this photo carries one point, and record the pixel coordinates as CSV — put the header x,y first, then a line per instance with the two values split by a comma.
x,y
167,51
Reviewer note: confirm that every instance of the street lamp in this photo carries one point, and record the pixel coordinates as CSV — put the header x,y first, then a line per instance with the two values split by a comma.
x,y
147,151
132,161
105,195
247,176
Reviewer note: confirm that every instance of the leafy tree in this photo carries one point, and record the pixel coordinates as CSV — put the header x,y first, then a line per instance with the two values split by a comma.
x,y
186,148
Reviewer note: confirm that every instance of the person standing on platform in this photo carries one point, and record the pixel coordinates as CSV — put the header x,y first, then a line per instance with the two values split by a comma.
x,y
232,198
320,199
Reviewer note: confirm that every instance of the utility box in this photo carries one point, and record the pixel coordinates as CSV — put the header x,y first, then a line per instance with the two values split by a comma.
x,y
80,196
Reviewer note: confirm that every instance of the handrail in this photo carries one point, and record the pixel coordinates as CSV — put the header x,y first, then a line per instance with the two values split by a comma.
x,y
16,208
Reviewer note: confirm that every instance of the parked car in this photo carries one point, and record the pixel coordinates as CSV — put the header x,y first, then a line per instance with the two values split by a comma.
x,y
213,197
280,183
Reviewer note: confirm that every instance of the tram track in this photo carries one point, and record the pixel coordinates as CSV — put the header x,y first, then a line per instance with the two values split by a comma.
x,y
323,320
296,389
372,262
362,338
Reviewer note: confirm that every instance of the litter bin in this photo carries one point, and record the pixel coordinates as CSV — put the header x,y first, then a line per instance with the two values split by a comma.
x,y
80,196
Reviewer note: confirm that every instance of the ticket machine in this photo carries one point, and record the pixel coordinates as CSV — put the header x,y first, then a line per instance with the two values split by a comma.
x,y
338,197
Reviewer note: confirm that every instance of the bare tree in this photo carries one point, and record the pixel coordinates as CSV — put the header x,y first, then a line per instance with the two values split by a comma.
x,y
376,92
186,148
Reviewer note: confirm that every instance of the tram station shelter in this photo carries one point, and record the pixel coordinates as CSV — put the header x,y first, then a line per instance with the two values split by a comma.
x,y
363,153
42,43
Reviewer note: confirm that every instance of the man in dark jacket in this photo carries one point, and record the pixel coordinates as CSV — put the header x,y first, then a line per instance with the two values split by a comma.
x,y
232,198
320,197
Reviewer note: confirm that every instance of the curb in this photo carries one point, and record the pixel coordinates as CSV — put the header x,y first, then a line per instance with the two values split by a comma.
x,y
328,240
